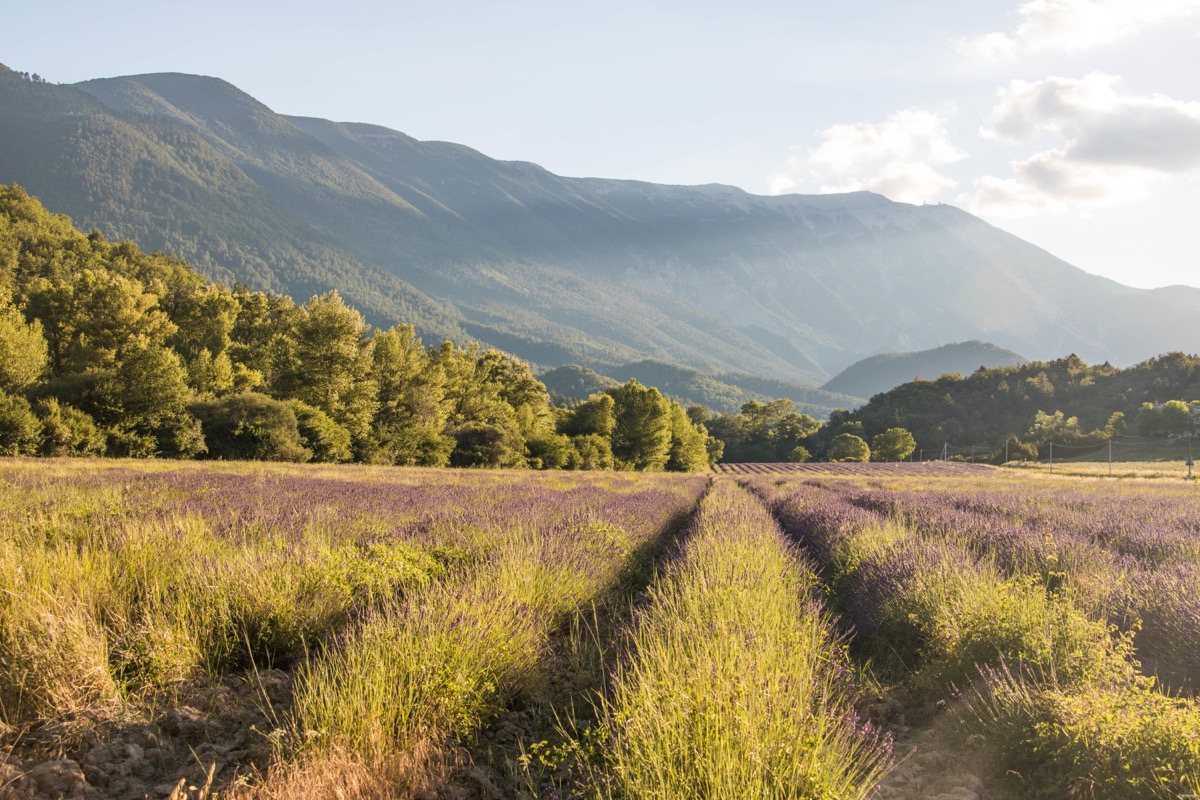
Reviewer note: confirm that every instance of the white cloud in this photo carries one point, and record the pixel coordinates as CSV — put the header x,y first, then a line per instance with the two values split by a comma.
x,y
1073,26
1111,147
897,158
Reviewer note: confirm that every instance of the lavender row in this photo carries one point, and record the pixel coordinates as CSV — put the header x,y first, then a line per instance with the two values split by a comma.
x,y
1137,567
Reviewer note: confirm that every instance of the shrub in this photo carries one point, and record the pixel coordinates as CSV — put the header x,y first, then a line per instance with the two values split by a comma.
x,y
1125,742
251,426
894,444
848,447
732,684
20,430
799,455
67,431
594,450
328,441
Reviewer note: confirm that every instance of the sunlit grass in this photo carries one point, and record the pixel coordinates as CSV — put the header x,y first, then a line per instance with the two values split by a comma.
x,y
732,685
1056,686
434,667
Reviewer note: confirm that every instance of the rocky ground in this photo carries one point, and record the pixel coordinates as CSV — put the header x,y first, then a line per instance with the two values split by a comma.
x,y
942,759
218,738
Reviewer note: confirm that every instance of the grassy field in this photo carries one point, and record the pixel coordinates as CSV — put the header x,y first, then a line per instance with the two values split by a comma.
x,y
792,631
1102,469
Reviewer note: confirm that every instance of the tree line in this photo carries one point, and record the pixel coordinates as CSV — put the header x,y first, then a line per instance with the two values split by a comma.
x,y
107,350
1065,401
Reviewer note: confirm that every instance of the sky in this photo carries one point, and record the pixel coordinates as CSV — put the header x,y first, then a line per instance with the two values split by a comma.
x,y
1074,124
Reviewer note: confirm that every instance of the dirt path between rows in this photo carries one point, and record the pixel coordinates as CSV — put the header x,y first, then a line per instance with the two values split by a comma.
x,y
943,760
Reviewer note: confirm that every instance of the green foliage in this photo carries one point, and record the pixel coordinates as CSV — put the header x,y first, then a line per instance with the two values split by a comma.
x,y
23,350
688,450
145,397
641,438
20,431
478,444
249,427
593,416
328,366
1125,742
991,404
67,431
551,451
594,452
848,447
413,411
894,444
762,432
325,439
1176,418
799,455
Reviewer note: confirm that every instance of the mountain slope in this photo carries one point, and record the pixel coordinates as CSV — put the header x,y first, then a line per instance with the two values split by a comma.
x,y
880,373
556,270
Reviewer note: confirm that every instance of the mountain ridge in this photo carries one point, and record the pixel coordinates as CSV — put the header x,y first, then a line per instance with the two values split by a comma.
x,y
554,269
881,373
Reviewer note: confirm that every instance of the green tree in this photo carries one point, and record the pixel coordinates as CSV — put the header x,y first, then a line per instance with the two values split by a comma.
x,y
1116,425
483,422
641,438
792,431
1148,420
799,455
329,366
263,335
593,416
95,318
144,401
550,451
688,451
894,444
1175,418
215,376
595,451
479,444
1055,427
23,351
848,447
413,410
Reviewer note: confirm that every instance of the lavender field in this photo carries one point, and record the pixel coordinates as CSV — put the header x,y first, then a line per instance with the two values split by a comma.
x,y
887,631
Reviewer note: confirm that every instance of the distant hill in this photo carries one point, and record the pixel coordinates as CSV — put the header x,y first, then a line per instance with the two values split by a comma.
x,y
880,373
556,270
727,392
572,383
719,393
982,408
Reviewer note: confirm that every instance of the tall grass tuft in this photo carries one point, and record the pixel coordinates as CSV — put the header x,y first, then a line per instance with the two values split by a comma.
x,y
434,667
733,685
1123,741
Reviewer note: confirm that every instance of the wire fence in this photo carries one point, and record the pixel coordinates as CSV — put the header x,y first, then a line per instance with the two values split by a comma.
x,y
1116,449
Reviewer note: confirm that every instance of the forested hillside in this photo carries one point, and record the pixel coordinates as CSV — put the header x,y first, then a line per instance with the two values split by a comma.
x,y
1066,401
106,349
